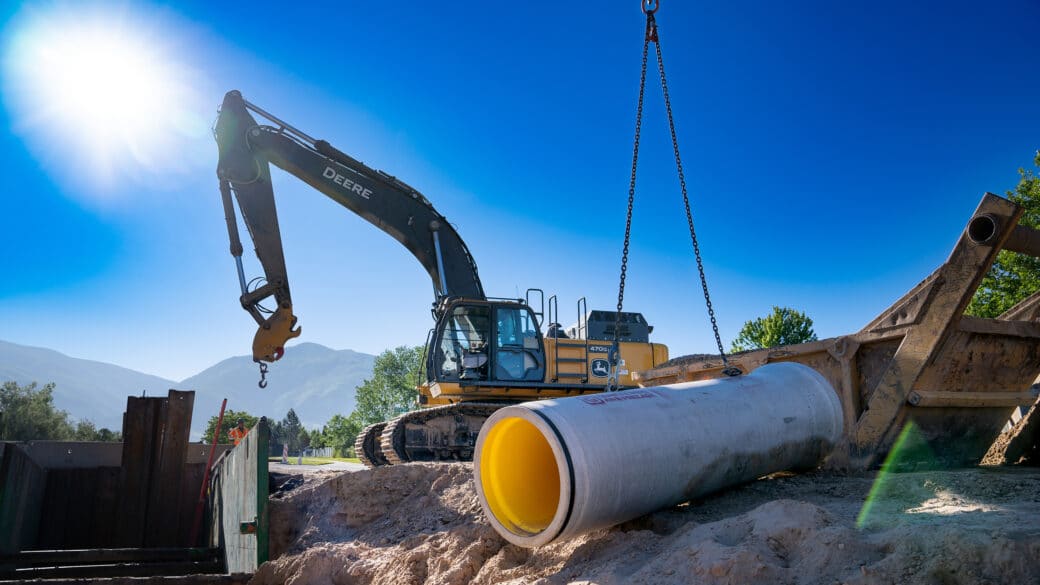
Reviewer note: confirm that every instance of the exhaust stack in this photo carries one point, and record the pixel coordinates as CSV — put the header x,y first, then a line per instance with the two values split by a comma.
x,y
551,470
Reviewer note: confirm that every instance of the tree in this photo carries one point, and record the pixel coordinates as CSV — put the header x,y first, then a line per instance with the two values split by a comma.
x,y
318,438
289,430
108,435
86,430
28,413
341,432
230,419
784,326
392,388
1013,276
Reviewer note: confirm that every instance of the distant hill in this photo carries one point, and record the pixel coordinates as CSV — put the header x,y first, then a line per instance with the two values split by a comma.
x,y
85,389
312,379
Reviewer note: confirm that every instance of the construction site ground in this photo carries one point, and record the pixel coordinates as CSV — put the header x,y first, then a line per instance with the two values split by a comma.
x,y
422,523
336,466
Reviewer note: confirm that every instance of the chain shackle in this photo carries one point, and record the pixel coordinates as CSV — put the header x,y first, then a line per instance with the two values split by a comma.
x,y
651,28
614,359
649,6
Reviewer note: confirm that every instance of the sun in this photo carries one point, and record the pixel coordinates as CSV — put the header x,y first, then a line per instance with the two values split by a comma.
x,y
103,90
109,84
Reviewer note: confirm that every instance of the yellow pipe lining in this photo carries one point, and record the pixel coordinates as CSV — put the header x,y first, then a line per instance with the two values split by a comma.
x,y
519,476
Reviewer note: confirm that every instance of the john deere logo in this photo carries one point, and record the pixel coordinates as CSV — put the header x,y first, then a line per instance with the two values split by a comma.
x,y
600,368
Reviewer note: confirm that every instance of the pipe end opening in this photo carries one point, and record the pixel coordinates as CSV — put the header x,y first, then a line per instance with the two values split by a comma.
x,y
982,228
519,476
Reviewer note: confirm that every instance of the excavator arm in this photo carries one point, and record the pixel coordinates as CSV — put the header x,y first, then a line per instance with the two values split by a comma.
x,y
247,149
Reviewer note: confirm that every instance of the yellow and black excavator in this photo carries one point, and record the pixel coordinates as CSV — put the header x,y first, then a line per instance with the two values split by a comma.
x,y
483,353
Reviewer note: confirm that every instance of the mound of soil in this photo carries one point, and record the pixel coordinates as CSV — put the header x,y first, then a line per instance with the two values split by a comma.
x,y
422,523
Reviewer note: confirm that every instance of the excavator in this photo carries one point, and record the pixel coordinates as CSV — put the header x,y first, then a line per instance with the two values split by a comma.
x,y
482,353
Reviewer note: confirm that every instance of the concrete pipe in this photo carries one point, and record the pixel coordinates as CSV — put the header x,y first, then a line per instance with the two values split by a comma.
x,y
553,469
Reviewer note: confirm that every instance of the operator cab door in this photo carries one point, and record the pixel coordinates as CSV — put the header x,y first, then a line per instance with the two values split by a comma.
x,y
488,343
518,353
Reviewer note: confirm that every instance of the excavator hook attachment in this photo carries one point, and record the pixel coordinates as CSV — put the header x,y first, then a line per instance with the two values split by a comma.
x,y
270,338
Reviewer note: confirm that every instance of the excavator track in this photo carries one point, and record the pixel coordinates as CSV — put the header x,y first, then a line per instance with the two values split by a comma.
x,y
367,446
442,433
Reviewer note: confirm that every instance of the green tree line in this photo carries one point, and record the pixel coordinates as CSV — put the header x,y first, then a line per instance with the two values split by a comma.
x,y
27,413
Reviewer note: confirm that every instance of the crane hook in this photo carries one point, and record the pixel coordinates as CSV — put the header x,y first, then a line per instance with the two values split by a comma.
x,y
650,6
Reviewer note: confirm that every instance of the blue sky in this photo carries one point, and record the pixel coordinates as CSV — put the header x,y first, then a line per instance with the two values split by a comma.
x,y
833,151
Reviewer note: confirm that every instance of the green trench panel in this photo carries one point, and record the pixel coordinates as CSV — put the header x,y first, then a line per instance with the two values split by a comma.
x,y
238,501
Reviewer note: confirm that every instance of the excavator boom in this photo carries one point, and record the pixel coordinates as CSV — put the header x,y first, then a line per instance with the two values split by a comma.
x,y
246,151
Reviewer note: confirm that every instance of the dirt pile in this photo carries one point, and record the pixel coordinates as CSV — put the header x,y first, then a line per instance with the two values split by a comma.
x,y
423,524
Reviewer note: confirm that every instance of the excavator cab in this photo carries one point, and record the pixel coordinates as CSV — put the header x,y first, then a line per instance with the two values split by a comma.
x,y
487,341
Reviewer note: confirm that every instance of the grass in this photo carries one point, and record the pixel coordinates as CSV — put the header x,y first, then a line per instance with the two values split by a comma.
x,y
315,460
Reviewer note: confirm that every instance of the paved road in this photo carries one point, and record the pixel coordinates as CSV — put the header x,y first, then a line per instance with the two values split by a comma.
x,y
334,466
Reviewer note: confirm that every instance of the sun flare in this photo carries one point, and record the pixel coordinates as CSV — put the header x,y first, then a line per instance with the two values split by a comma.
x,y
103,83
102,90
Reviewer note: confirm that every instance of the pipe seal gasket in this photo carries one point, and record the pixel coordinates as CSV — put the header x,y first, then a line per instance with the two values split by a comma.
x,y
570,472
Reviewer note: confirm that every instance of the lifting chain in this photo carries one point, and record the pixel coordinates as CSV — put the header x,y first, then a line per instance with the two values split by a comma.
x,y
649,8
263,375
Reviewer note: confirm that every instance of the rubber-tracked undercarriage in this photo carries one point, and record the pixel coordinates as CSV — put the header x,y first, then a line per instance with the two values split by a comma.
x,y
367,445
441,433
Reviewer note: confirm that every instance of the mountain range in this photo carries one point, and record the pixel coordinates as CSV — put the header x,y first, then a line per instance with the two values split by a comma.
x,y
314,380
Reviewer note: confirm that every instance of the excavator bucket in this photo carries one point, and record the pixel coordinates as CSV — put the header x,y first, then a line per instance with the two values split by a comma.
x,y
923,381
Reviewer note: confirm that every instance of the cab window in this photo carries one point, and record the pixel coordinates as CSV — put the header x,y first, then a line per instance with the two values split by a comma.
x,y
518,354
462,352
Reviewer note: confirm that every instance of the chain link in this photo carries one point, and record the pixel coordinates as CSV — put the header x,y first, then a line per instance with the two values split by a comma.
x,y
614,357
727,369
263,375
652,36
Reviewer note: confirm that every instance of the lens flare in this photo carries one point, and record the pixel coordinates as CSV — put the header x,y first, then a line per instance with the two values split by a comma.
x,y
105,93
914,487
886,468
